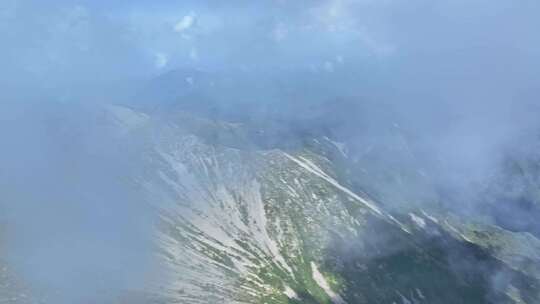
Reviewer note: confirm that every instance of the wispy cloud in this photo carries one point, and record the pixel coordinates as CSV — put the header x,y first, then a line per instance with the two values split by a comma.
x,y
161,60
185,23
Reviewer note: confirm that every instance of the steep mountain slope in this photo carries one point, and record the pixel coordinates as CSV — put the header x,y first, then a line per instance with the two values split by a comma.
x,y
250,225
245,222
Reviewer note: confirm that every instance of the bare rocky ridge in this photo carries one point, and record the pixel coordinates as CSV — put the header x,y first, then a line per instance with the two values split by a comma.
x,y
240,223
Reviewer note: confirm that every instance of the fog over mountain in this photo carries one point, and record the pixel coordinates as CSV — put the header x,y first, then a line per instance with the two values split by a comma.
x,y
312,151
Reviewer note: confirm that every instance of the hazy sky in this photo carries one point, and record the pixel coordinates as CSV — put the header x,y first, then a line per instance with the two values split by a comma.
x,y
463,73
418,45
473,65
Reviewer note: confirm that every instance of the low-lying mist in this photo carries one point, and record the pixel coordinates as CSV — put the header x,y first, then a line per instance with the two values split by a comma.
x,y
458,81
74,225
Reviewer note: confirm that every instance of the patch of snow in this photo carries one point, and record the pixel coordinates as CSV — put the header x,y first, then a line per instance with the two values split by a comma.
x,y
455,230
404,299
321,281
290,293
420,294
311,167
342,147
261,234
420,222
433,219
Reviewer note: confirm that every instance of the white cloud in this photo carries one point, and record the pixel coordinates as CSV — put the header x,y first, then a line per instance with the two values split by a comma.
x,y
334,15
328,66
186,23
341,18
280,32
161,60
194,54
378,48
